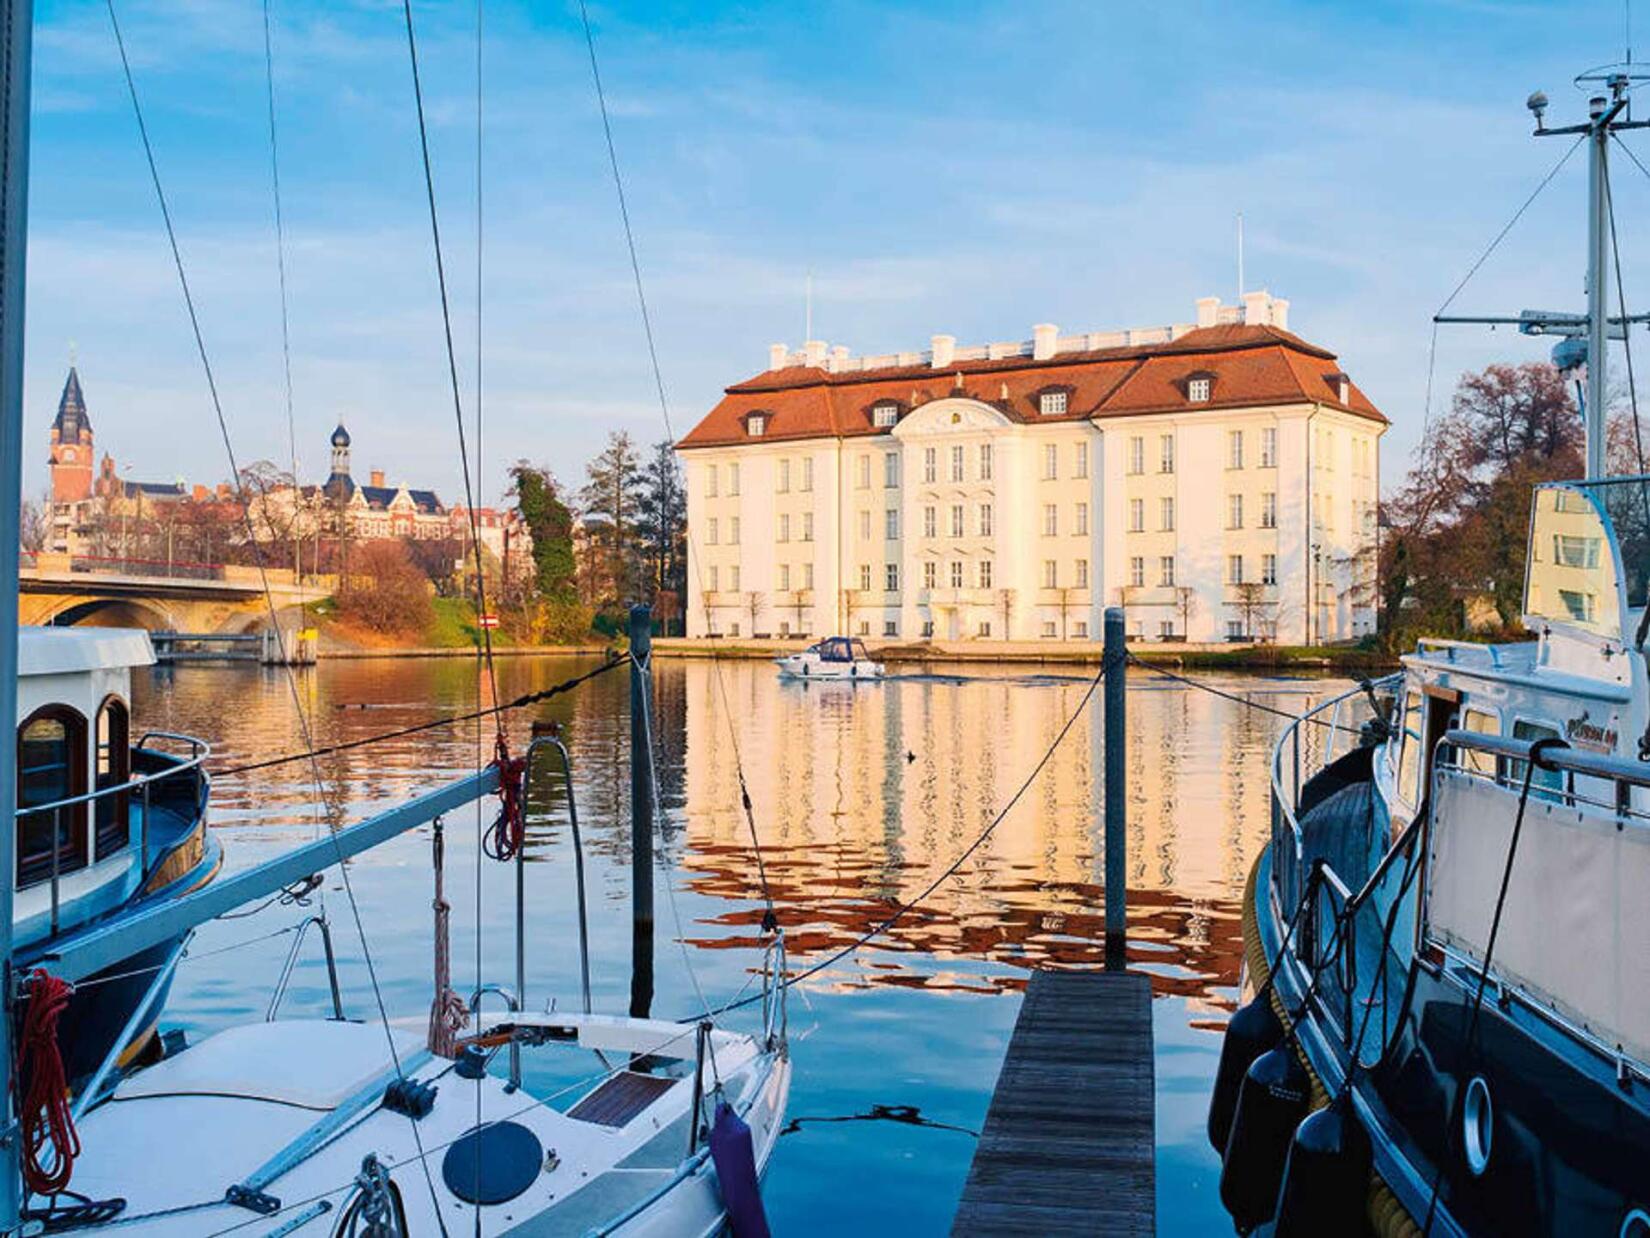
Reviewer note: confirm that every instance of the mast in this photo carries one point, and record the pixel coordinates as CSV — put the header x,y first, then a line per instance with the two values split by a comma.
x,y
15,37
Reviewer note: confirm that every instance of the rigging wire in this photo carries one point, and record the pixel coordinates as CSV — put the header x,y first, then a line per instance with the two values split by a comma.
x,y
263,573
504,584
769,920
1239,700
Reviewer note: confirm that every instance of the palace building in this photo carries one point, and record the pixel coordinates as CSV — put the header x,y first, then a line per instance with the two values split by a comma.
x,y
1218,479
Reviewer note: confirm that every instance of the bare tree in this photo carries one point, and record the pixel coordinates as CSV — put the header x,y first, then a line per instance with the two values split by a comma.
x,y
1185,605
31,527
852,601
1068,599
1005,604
1252,604
754,602
799,603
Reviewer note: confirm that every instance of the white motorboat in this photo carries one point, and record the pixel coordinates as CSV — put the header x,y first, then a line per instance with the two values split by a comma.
x,y
837,657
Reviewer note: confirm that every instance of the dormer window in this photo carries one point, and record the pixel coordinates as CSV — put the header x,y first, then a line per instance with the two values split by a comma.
x,y
1197,390
1052,403
756,425
884,416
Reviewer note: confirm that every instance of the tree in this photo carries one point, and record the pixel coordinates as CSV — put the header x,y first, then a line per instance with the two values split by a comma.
x,y
446,563
31,527
1068,598
612,492
1005,604
754,602
663,521
1185,605
550,524
386,592
1253,605
852,600
799,603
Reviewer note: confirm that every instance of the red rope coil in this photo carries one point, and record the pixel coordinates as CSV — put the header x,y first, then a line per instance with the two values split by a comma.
x,y
509,829
43,1091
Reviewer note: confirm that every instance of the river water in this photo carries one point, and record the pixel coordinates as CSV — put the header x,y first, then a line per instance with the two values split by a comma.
x,y
861,795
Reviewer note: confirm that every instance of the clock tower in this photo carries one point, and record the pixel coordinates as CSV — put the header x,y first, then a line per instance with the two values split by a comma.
x,y
71,459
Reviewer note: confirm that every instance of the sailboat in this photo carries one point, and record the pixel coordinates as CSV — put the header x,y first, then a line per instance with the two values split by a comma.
x,y
390,1127
1447,938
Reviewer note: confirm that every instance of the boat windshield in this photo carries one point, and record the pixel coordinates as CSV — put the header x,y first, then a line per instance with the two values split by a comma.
x,y
1589,553
837,649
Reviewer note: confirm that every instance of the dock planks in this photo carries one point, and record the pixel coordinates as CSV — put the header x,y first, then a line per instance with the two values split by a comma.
x,y
1068,1141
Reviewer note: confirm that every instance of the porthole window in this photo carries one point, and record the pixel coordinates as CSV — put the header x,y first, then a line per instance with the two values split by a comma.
x,y
1477,1126
1636,1224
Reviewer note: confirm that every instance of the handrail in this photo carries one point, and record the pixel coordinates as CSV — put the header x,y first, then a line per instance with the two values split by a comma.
x,y
512,1002
319,921
555,741
134,783
1554,755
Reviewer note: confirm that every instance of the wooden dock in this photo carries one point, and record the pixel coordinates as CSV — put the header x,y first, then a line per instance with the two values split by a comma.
x,y
1068,1141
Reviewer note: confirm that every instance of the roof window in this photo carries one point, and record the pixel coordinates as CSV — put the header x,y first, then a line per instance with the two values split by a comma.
x,y
756,425
884,415
1052,403
1197,390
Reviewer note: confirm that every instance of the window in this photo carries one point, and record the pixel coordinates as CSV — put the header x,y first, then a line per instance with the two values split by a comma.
x,y
884,415
984,628
114,767
930,575
865,577
1051,574
808,575
956,574
1234,569
986,522
890,524
733,578
1234,449
985,461
1082,520
784,577
733,479
784,526
864,628
756,425
808,471
808,526
864,526
1197,390
890,627
1165,571
1548,784
890,469
1081,468
890,577
930,464
710,482
1051,461
1052,403
929,527
984,572
1234,511
784,483
1268,569
957,462
1137,572
1234,629
1080,630
1050,629
956,520
1137,454
1165,453
1137,515
1269,510
733,628
1165,514
715,579
710,531
1082,566
1051,519
1269,447
928,627
1165,629
1480,722
733,531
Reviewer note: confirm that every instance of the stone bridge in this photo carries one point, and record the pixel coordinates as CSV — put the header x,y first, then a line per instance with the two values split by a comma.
x,y
68,590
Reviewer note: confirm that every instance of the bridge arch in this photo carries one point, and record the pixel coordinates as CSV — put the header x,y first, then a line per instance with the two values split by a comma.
x,y
148,614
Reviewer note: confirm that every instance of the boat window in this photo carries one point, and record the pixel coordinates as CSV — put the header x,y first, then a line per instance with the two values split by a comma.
x,y
114,767
1409,756
1625,504
1572,573
1545,784
51,766
1479,722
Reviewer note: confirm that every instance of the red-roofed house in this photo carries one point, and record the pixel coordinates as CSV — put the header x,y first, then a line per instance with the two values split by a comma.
x,y
1218,479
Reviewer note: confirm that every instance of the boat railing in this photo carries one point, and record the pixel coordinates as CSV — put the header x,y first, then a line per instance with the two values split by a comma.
x,y
1490,654
177,770
318,921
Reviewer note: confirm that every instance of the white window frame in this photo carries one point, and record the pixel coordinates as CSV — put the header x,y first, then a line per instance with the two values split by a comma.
x,y
1053,403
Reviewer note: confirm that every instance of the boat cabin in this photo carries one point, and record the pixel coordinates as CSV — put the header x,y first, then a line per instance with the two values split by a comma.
x,y
839,649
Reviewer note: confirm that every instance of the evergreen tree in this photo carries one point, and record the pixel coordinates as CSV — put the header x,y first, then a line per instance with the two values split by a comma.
x,y
612,573
664,522
550,523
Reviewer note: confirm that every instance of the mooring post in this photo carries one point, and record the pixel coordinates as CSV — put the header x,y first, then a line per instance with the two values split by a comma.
x,y
1114,661
641,815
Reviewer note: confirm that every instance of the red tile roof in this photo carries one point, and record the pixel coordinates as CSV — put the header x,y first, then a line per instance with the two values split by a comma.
x,y
1247,366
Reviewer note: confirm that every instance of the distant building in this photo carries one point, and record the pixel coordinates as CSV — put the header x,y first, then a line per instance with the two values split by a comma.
x,y
1217,479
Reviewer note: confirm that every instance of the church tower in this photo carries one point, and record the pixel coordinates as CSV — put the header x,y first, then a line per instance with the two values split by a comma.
x,y
340,485
71,458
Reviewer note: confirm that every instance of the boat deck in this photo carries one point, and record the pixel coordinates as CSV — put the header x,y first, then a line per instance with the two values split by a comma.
x,y
1068,1141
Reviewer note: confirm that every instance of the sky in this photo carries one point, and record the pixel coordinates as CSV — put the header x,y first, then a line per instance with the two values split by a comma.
x,y
967,168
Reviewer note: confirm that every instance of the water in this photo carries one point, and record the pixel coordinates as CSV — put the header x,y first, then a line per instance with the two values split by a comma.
x,y
862,795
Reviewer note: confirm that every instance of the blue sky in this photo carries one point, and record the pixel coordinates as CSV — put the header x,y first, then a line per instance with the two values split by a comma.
x,y
966,168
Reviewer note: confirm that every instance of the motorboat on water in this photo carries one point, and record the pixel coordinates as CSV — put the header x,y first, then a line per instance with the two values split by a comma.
x,y
1447,938
107,825
836,657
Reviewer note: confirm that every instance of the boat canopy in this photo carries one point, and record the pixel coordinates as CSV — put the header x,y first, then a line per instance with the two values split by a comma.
x,y
69,651
1589,556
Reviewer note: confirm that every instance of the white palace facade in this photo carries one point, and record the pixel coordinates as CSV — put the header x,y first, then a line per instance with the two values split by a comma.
x,y
1219,480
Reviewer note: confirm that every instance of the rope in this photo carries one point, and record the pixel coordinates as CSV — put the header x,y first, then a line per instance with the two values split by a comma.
x,y
43,1104
504,841
1241,700
521,702
447,1014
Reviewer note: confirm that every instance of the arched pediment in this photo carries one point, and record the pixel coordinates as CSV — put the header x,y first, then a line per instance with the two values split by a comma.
x,y
950,415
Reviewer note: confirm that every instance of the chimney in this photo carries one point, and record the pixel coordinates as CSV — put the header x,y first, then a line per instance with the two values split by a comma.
x,y
378,477
1043,338
839,358
1257,308
943,347
1208,311
776,356
199,493
814,353
1343,386
1280,313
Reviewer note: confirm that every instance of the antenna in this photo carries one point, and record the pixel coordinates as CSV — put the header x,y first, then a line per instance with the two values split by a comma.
x,y
808,327
1240,257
